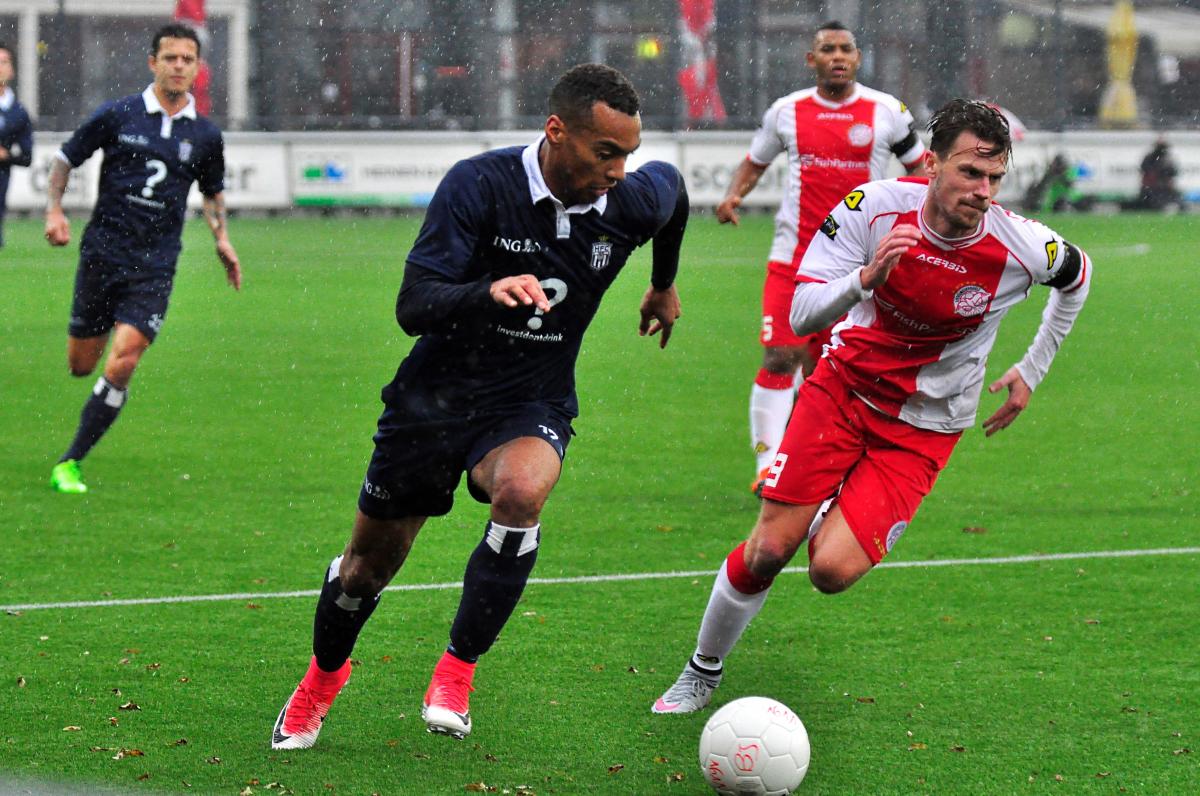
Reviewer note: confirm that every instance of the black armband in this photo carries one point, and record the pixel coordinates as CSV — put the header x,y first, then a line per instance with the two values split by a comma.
x,y
667,241
903,145
1070,270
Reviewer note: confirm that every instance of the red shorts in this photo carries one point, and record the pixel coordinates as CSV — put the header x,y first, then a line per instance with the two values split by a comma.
x,y
884,466
777,311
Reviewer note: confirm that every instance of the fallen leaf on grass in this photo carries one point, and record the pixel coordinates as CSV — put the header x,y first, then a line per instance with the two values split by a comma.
x,y
661,759
478,787
865,700
675,777
72,728
1183,751
916,746
613,769
1103,774
112,720
20,682
129,706
974,529
144,777
122,753
213,761
957,748
153,667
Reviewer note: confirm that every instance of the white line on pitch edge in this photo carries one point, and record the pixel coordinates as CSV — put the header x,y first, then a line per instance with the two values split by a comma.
x,y
944,562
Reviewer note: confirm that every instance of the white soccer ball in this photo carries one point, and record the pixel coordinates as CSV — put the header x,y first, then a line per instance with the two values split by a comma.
x,y
754,746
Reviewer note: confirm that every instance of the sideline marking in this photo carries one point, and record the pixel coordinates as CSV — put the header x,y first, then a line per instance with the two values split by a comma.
x,y
946,562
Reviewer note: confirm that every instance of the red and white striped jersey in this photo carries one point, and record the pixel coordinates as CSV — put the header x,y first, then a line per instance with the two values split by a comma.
x,y
916,347
831,148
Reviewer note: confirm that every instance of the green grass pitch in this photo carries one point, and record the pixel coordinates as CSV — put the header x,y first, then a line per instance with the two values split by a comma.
x,y
235,467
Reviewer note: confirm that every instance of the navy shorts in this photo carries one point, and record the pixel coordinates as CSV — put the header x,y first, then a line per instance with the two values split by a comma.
x,y
420,457
106,293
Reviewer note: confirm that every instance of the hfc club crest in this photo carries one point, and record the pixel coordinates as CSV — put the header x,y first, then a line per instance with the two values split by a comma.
x,y
185,150
601,254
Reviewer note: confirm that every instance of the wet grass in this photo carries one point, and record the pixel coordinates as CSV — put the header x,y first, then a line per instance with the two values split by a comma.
x,y
235,466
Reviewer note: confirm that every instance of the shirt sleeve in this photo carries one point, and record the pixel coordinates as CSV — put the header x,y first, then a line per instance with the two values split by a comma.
x,y
211,179
905,144
96,132
1068,270
21,152
767,143
828,280
453,223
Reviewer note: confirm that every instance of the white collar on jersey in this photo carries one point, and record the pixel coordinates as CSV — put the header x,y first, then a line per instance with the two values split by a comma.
x,y
817,98
7,99
538,190
154,106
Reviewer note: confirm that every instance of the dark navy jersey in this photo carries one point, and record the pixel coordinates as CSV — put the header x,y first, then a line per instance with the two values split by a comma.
x,y
482,225
150,163
16,135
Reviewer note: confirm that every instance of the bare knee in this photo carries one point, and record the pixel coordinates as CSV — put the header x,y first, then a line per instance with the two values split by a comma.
x,y
832,576
518,502
766,557
80,368
364,576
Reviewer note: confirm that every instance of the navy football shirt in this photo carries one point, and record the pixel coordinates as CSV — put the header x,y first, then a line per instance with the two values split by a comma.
x,y
16,132
491,217
150,163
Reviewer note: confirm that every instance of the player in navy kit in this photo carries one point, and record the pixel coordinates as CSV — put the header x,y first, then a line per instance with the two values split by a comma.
x,y
516,252
16,132
155,146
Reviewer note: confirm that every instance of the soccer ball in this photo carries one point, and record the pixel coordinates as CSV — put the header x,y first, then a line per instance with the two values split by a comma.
x,y
754,746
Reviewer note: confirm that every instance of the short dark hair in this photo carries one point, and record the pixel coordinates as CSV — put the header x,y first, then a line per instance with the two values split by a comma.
x,y
175,30
962,115
834,24
584,85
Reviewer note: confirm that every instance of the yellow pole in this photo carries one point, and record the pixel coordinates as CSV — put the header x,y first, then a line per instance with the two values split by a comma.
x,y
1118,108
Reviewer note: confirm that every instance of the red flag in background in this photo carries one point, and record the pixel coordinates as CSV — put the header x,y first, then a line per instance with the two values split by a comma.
x,y
698,77
191,13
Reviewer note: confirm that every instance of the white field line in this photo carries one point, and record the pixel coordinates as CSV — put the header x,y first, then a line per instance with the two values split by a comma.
x,y
946,562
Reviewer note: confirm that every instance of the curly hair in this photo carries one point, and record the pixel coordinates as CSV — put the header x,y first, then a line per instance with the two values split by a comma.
x,y
584,85
981,119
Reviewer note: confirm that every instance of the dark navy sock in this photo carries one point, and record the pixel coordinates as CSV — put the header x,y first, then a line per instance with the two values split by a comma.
x,y
492,586
98,414
338,620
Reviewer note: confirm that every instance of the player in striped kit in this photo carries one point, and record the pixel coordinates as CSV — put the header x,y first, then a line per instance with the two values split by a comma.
x,y
924,271
837,134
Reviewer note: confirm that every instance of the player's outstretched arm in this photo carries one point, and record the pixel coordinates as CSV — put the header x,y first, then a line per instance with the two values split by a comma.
x,y
660,309
744,178
58,228
1018,398
214,214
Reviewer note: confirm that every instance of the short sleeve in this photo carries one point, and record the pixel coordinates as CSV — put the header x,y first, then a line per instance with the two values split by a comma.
x,y
453,223
843,241
96,132
767,144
